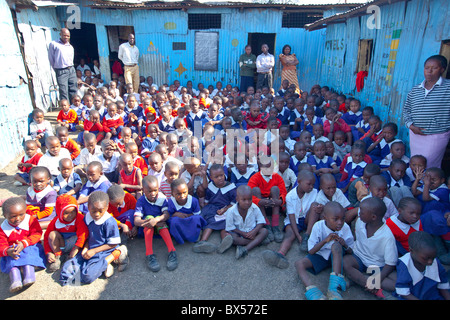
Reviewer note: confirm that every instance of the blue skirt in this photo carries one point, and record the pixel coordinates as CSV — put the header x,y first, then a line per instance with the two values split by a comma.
x,y
187,229
434,223
30,256
78,270
209,213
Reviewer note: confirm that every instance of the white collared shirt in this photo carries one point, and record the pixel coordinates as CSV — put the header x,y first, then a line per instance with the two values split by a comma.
x,y
234,219
128,54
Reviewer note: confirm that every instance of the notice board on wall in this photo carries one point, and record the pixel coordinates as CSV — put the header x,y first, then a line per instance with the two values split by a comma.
x,y
206,52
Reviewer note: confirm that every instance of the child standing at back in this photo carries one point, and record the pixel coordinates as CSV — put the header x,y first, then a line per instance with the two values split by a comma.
x,y
102,247
330,240
20,246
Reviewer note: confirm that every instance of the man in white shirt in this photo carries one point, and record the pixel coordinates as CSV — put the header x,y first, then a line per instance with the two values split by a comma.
x,y
129,54
264,65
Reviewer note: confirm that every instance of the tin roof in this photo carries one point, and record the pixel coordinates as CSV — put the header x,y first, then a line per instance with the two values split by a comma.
x,y
166,4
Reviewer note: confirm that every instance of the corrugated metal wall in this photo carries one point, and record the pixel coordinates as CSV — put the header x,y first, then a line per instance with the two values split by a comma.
x,y
15,102
410,32
156,30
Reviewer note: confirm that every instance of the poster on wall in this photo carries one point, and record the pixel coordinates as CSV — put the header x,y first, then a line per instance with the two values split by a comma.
x,y
206,52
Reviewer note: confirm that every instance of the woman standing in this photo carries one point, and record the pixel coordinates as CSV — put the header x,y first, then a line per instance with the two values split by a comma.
x,y
427,113
289,62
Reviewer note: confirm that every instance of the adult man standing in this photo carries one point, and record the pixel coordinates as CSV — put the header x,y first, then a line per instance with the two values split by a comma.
x,y
247,64
129,54
264,64
60,55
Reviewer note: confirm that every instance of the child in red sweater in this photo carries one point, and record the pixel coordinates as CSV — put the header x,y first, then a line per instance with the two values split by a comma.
x,y
66,233
67,117
63,135
334,123
138,160
269,193
112,123
121,206
29,160
130,176
92,125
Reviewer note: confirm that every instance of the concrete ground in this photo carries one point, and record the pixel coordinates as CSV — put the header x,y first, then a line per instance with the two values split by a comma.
x,y
198,277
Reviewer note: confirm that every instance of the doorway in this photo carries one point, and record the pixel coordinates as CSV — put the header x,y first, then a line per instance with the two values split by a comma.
x,y
84,42
256,40
116,36
445,51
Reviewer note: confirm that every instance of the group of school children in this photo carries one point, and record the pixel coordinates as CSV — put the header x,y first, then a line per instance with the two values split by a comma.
x,y
156,162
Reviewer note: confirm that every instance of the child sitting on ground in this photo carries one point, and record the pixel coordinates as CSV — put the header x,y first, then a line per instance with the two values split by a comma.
x,y
54,153
420,279
240,173
434,194
193,175
331,239
405,223
110,160
20,235
96,182
340,145
171,173
320,162
67,182
130,176
138,161
353,168
92,125
397,151
102,247
286,173
216,197
374,247
28,162
359,188
399,185
68,143
363,126
67,117
66,233
112,123
121,206
378,189
301,214
269,194
298,157
334,123
185,222
40,128
245,224
151,215
381,146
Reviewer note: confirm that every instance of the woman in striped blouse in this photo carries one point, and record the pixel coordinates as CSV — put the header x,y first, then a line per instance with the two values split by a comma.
x,y
427,113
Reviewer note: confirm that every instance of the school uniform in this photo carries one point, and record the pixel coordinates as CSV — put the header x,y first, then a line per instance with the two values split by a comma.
x,y
339,125
289,177
352,118
299,207
423,285
325,162
320,231
294,162
101,232
158,175
102,184
240,179
284,115
391,209
265,183
218,117
52,162
342,150
192,118
124,213
262,117
115,122
321,138
139,112
397,189
309,126
440,202
351,172
130,179
356,133
145,207
235,221
402,231
185,229
386,162
378,250
215,199
41,203
72,147
187,177
338,197
70,117
94,128
29,232
63,186
34,160
110,166
86,157
149,145
140,163
167,126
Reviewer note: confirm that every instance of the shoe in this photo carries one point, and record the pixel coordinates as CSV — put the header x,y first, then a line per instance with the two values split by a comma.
x,y
123,259
304,244
313,293
172,261
336,282
29,276
17,183
54,266
109,271
225,244
277,234
384,295
270,235
265,242
16,280
241,252
152,263
204,247
275,259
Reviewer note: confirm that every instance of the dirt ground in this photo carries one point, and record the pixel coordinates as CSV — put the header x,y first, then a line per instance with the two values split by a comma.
x,y
198,276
